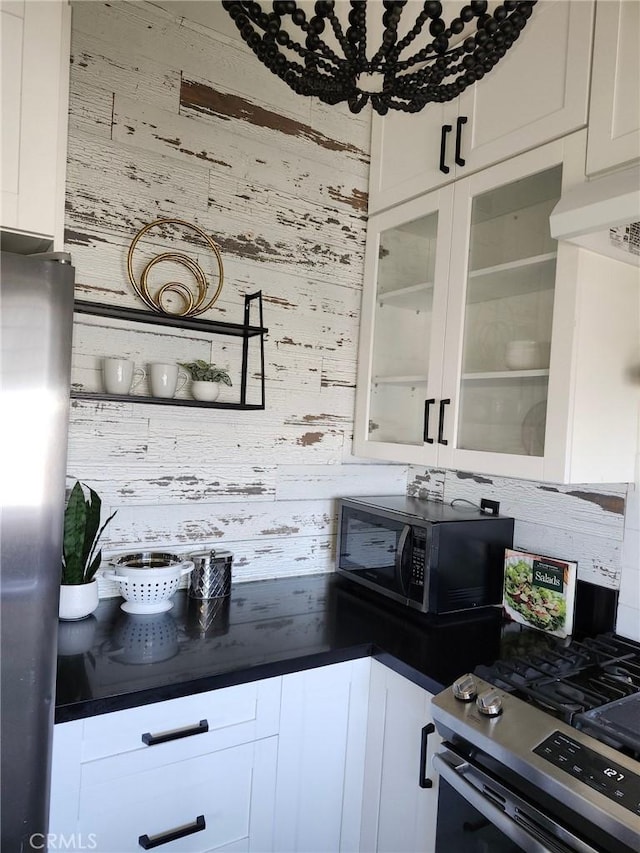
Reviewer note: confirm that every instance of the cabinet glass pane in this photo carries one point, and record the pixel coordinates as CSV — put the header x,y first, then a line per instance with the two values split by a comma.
x,y
402,331
508,317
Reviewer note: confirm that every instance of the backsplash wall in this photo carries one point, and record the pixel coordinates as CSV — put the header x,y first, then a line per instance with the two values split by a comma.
x,y
597,525
172,119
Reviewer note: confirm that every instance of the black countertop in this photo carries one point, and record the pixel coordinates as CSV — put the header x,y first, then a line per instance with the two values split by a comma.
x,y
113,660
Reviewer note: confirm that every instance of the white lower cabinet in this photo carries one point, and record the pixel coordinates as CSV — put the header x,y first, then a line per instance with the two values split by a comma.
x,y
321,757
220,797
400,790
191,774
327,760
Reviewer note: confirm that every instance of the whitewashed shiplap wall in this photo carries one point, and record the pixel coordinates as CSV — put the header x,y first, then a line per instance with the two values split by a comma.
x,y
597,525
171,119
168,118
576,522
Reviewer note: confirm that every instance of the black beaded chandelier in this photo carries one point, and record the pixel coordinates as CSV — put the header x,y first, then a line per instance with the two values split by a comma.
x,y
433,68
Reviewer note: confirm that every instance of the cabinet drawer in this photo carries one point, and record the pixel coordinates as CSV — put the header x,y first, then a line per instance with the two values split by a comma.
x,y
232,790
213,720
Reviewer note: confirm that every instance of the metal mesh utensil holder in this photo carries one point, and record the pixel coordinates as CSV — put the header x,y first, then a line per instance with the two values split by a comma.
x,y
208,617
211,574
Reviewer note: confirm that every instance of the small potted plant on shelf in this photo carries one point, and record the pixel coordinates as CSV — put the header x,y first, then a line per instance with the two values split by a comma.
x,y
80,557
205,379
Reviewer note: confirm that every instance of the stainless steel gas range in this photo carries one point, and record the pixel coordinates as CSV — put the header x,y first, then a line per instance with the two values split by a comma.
x,y
542,753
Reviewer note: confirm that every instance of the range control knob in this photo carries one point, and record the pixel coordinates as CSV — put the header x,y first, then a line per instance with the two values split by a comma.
x,y
464,688
489,703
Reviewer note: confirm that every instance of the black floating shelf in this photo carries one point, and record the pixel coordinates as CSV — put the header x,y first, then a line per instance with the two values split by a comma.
x,y
210,327
161,401
137,315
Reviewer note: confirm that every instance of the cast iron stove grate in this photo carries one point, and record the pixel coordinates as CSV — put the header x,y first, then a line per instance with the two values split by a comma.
x,y
593,685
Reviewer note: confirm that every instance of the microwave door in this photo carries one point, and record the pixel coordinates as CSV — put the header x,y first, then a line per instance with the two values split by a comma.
x,y
371,548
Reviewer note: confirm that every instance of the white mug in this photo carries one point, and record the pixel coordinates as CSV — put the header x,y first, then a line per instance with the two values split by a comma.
x,y
163,379
118,375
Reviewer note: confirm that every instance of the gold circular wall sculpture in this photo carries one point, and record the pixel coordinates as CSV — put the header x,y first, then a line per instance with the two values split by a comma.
x,y
193,303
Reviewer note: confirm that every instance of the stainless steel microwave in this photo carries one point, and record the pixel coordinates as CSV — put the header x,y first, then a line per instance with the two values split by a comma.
x,y
431,556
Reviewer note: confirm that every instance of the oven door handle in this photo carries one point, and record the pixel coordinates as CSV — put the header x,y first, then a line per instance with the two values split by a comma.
x,y
531,839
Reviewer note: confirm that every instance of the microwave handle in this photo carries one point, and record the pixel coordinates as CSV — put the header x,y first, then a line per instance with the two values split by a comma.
x,y
402,544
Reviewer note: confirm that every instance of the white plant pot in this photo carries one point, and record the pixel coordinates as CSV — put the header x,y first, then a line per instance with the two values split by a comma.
x,y
206,392
78,600
76,637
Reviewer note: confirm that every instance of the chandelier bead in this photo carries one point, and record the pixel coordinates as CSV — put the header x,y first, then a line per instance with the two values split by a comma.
x,y
434,9
500,13
440,44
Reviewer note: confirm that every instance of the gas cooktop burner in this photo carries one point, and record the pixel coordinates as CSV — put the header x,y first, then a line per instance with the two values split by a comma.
x,y
593,685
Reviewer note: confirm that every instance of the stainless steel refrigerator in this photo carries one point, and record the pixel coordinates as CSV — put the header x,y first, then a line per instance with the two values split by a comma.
x,y
36,321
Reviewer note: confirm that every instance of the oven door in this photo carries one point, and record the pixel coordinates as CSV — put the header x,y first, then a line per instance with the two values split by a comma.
x,y
478,814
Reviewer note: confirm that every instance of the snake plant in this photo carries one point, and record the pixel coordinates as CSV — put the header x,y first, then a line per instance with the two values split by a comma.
x,y
82,532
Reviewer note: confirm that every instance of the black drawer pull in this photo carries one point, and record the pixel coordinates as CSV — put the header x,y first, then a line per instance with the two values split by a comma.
x,y
175,734
459,160
446,128
147,842
443,403
423,779
425,430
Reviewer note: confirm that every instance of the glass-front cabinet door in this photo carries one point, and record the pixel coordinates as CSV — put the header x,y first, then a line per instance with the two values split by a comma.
x,y
488,347
403,317
511,275
501,316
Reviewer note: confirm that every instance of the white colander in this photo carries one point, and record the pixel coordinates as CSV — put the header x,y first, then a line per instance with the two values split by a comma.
x,y
148,590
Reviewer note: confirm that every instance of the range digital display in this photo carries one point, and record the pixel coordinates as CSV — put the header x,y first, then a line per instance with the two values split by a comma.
x,y
609,778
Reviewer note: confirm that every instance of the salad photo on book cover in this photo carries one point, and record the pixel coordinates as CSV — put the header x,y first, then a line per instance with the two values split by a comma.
x,y
539,591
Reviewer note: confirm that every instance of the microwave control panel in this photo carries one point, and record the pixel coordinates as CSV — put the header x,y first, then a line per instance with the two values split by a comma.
x,y
418,557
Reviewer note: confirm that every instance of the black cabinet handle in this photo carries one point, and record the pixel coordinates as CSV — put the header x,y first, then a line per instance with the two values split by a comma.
x,y
446,128
425,429
459,160
443,403
147,842
175,734
423,779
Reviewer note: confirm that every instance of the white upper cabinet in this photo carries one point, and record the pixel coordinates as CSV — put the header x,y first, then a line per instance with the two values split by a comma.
x,y
537,92
614,115
488,347
35,97
404,310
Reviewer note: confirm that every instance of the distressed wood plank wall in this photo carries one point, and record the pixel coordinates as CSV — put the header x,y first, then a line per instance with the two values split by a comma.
x,y
576,522
171,119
